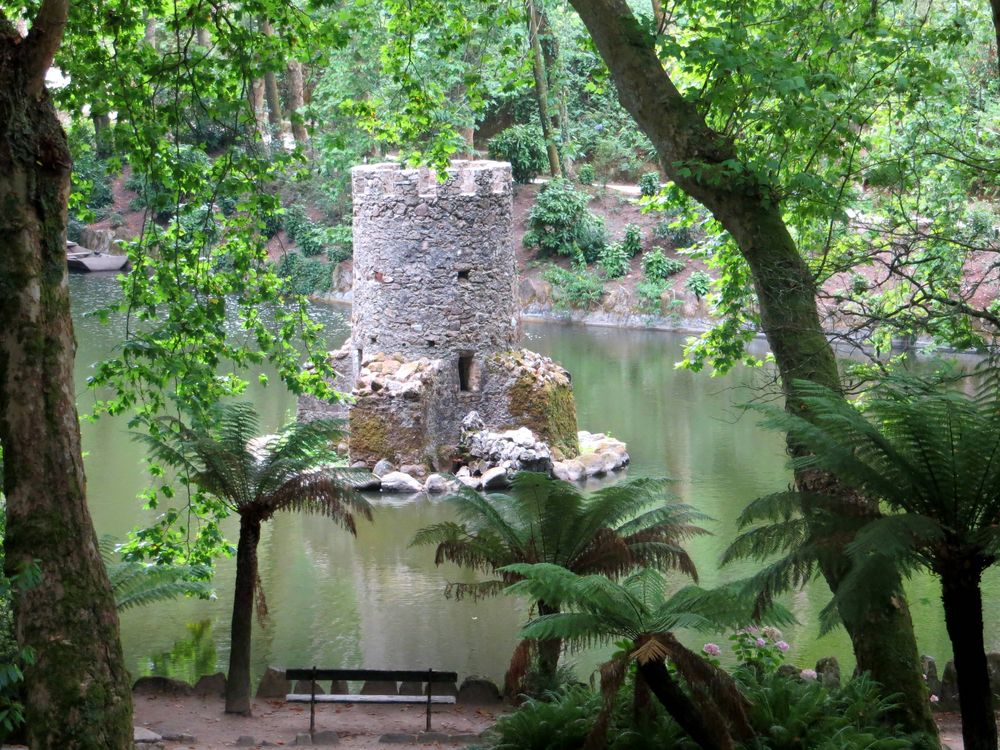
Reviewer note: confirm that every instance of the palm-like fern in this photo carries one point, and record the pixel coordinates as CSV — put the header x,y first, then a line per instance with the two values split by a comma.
x,y
136,584
931,456
295,470
612,531
639,610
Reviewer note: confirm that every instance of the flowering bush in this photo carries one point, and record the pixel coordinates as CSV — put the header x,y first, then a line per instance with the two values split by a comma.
x,y
759,648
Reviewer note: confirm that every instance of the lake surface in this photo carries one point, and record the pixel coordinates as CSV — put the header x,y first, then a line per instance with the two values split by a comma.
x,y
372,601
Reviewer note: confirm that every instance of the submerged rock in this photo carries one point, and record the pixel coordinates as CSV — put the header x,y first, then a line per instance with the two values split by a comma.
x,y
397,481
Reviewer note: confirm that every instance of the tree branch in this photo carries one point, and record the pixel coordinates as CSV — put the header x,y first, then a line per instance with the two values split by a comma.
x,y
43,42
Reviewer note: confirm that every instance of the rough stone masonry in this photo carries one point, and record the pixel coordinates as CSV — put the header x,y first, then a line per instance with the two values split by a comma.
x,y
435,323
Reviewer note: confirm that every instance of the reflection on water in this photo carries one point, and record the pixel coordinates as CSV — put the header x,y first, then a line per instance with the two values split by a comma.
x,y
373,601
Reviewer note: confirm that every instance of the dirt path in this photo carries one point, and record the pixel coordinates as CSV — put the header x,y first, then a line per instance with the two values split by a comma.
x,y
358,727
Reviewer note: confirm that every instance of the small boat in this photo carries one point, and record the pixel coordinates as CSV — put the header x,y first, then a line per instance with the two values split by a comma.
x,y
89,261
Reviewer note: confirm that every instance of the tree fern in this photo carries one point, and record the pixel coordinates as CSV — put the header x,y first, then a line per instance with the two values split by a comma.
x,y
930,456
613,531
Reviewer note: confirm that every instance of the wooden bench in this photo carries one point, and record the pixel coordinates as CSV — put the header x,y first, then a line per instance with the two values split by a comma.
x,y
394,675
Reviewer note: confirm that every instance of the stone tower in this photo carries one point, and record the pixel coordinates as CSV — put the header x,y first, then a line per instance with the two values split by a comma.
x,y
435,319
434,272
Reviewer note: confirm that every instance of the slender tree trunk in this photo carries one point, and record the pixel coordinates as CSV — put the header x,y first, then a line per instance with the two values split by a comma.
x,y
995,7
102,132
554,78
271,85
296,102
963,615
548,650
549,129
682,708
150,31
883,637
238,679
77,693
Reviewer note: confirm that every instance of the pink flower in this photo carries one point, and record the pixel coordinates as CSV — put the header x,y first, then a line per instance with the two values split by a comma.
x,y
761,642
711,649
808,674
934,699
782,646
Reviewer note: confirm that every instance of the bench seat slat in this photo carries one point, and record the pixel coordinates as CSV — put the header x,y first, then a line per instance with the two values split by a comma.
x,y
307,698
363,675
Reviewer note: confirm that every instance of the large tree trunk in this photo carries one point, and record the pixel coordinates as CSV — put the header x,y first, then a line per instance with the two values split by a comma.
x,y
963,615
682,708
77,692
296,102
238,679
883,636
549,125
103,136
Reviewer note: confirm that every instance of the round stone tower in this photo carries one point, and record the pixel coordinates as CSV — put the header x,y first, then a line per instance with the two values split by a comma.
x,y
434,329
434,271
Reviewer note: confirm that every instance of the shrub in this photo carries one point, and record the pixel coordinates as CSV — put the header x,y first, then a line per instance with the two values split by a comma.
x,y
273,222
296,221
656,265
198,224
561,722
613,158
305,275
585,175
340,243
591,237
578,288
679,236
555,218
524,148
649,184
614,260
699,283
650,292
632,241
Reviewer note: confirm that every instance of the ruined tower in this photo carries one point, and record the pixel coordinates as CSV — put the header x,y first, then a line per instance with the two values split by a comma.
x,y
435,319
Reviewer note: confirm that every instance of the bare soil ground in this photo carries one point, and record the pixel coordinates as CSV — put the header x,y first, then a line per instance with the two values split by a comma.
x,y
276,722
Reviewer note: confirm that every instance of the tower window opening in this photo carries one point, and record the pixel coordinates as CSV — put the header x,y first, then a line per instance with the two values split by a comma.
x,y
463,275
468,373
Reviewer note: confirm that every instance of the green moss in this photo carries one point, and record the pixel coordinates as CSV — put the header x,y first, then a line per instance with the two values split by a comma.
x,y
368,435
548,410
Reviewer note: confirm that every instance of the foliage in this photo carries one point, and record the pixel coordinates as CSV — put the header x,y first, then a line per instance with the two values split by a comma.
x,y
649,184
612,531
136,584
638,610
314,239
559,721
524,148
795,714
650,292
578,287
591,237
615,260
305,275
13,658
785,713
555,219
699,284
632,240
656,265
678,232
759,649
586,175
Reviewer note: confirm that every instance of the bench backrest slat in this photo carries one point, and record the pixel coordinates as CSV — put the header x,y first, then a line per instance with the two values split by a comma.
x,y
398,675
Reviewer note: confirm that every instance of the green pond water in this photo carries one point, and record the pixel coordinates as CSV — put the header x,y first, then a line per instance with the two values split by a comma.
x,y
372,601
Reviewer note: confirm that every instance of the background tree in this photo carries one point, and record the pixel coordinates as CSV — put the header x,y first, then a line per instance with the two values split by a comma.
x,y
612,531
928,454
256,478
77,692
